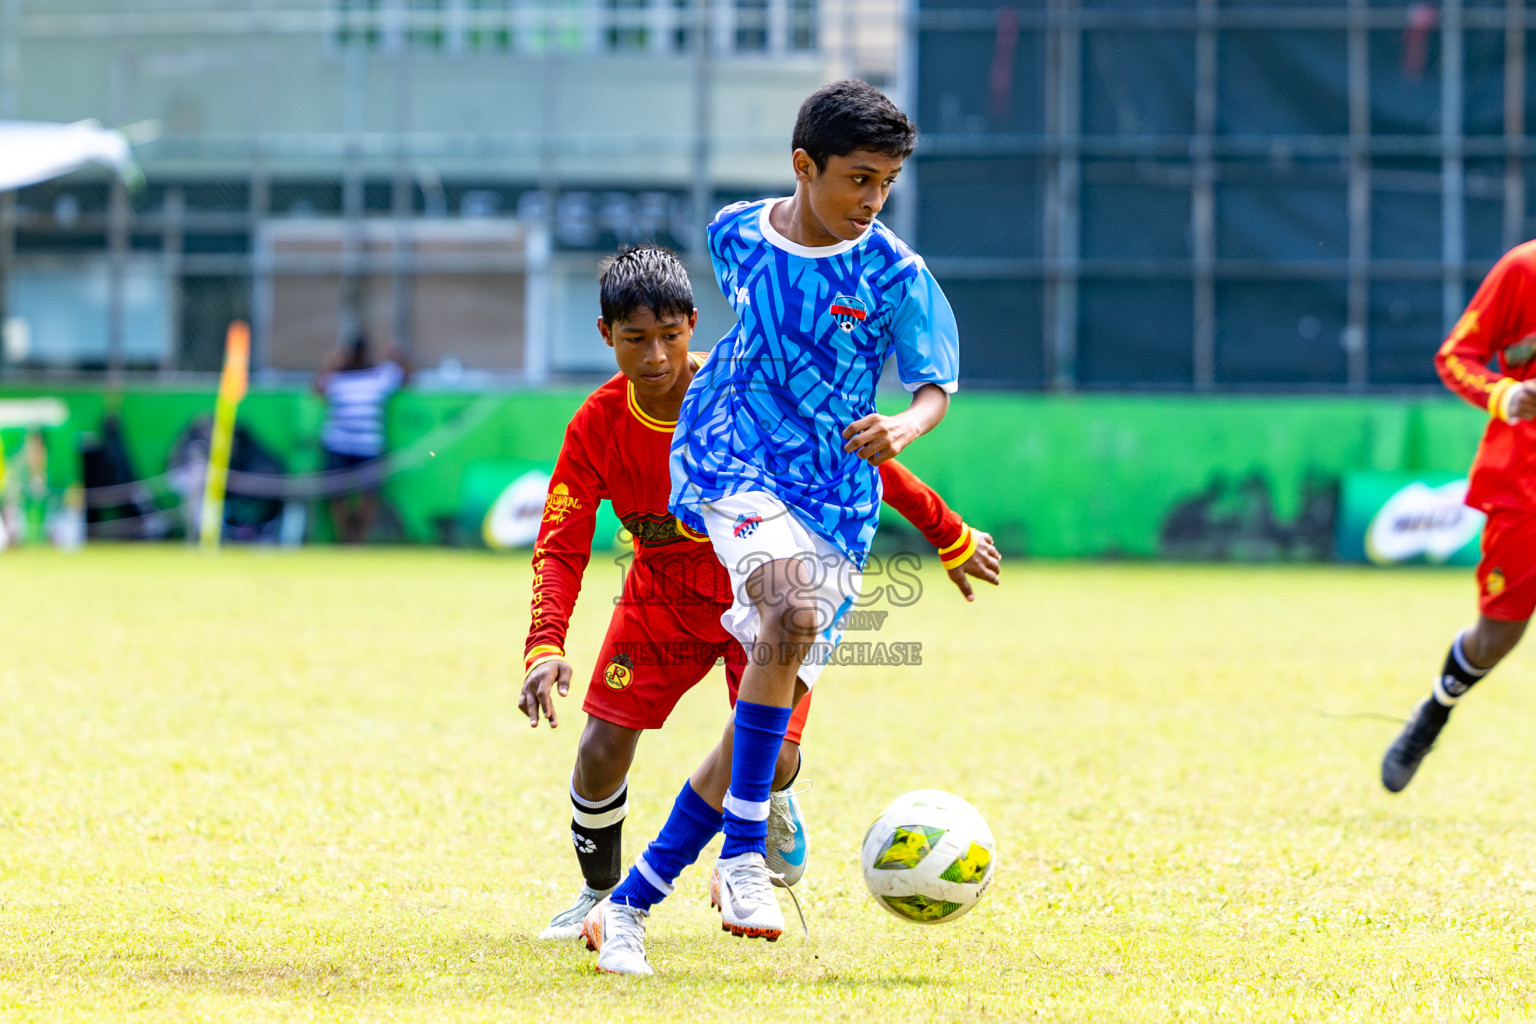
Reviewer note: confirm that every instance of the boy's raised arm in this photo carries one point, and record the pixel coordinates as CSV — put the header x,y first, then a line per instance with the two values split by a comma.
x,y
963,551
921,506
1478,336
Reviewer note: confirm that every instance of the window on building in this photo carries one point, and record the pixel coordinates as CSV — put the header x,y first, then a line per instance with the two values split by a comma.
x,y
564,26
747,27
488,26
626,29
425,27
751,26
802,25
683,14
358,24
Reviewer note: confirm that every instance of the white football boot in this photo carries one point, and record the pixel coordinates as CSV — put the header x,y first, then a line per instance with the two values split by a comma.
x,y
742,887
788,841
567,923
617,933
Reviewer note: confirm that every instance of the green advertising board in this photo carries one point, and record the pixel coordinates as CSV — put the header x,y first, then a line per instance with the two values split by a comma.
x,y
501,504
1407,519
1059,476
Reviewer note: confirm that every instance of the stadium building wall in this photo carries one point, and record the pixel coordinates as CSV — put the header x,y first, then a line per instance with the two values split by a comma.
x,y
1243,478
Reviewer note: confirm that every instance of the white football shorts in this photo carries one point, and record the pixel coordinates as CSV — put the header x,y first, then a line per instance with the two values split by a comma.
x,y
753,528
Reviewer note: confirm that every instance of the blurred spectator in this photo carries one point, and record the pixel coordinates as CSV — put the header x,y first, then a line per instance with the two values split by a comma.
x,y
355,388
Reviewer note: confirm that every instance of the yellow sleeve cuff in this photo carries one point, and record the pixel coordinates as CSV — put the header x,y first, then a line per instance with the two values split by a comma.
x,y
1498,398
539,655
960,552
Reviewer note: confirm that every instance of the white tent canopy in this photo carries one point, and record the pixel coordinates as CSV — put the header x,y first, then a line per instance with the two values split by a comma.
x,y
32,412
34,151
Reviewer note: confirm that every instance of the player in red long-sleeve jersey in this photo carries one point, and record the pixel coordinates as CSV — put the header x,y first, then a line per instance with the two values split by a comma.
x,y
665,633
1499,322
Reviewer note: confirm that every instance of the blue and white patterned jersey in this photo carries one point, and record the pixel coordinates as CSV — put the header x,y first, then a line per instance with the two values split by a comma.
x,y
815,326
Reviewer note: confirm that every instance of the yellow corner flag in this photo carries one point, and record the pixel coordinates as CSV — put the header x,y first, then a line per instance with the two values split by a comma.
x,y
232,385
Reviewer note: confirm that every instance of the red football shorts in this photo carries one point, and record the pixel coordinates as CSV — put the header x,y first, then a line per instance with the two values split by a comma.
x,y
1506,577
655,652
797,719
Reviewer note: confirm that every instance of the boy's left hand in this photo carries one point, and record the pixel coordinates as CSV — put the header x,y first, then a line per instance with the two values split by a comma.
x,y
878,438
983,564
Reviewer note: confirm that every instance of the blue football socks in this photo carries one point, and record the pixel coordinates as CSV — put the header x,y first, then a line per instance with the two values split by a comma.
x,y
755,742
689,828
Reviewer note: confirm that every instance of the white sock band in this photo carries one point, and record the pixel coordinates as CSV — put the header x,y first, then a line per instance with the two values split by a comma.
x,y
1440,694
1461,658
649,874
587,819
746,810
599,813
1440,691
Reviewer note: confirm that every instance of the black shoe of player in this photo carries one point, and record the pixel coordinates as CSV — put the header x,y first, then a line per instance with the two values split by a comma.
x,y
1416,739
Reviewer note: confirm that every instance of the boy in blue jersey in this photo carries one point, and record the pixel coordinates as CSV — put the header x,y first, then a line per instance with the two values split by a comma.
x,y
775,457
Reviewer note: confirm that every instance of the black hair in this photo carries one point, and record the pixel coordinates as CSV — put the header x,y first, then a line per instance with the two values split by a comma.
x,y
358,353
644,275
839,118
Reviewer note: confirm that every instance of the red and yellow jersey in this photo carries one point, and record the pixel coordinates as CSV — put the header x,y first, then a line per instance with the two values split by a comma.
x,y
615,451
1500,322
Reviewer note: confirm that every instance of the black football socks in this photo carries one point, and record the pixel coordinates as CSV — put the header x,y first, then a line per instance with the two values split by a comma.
x,y
1457,677
597,831
1423,727
799,763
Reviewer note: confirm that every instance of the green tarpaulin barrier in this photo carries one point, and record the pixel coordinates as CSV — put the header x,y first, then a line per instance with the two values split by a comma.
x,y
1131,476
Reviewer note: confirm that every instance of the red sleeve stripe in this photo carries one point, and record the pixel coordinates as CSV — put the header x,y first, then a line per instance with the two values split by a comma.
x,y
539,654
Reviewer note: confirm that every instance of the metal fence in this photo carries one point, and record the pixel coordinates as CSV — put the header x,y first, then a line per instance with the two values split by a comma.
x,y
1218,193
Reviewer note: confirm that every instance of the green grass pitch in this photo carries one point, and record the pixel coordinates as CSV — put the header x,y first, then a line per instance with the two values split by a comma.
x,y
296,787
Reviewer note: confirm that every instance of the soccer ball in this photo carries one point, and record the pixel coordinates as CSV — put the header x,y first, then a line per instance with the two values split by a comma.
x,y
928,857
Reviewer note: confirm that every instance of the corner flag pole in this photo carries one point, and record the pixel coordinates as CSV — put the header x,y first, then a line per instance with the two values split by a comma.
x,y
232,385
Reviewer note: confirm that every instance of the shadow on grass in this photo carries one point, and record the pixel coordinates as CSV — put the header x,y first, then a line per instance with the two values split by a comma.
x,y
487,966
342,965
471,974
864,983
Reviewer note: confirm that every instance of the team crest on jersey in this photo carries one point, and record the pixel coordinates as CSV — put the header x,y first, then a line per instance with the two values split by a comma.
x,y
746,525
619,673
1521,352
848,311
1494,584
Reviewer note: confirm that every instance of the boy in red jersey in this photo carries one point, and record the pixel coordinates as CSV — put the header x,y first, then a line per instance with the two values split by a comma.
x,y
1499,322
666,633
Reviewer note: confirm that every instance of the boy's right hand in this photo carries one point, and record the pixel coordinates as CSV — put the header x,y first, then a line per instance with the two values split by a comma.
x,y
536,697
1522,402
983,564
